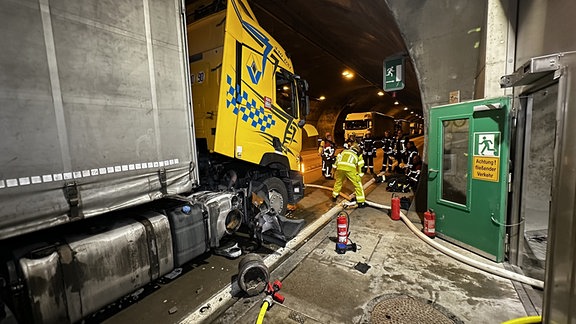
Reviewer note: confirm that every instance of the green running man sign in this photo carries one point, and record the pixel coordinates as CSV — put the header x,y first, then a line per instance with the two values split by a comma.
x,y
394,74
487,144
486,162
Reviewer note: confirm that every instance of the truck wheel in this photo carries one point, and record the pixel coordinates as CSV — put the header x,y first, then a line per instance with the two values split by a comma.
x,y
277,194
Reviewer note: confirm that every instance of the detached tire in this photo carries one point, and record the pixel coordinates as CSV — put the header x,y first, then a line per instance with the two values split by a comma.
x,y
277,194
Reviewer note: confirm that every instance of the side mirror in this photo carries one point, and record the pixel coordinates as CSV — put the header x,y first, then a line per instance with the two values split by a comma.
x,y
303,96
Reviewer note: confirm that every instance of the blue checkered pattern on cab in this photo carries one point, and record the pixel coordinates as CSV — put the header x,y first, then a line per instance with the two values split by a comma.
x,y
246,109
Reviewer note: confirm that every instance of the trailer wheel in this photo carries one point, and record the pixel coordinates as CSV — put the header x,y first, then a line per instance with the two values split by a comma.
x,y
277,194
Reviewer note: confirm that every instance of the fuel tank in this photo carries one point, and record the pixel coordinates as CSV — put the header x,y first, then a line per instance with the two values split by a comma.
x,y
91,270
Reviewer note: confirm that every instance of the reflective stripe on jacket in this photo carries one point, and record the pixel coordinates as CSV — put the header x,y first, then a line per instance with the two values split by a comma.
x,y
349,161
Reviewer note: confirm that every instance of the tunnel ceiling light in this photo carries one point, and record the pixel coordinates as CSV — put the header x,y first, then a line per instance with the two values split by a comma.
x,y
321,98
380,93
411,112
405,108
347,74
396,102
285,88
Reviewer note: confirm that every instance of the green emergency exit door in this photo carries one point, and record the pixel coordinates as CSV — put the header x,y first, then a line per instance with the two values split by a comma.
x,y
468,173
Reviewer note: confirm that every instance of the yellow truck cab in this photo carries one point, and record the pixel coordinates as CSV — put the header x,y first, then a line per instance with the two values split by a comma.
x,y
249,106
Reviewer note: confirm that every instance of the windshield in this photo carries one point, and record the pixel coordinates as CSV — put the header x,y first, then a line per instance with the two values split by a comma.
x,y
356,124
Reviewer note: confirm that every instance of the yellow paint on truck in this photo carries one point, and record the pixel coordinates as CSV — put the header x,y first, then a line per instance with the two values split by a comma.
x,y
240,104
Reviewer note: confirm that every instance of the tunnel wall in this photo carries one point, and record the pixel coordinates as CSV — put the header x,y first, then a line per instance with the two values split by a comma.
x,y
544,27
444,43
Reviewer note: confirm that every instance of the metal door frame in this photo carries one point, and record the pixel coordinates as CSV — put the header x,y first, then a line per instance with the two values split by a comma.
x,y
560,277
521,151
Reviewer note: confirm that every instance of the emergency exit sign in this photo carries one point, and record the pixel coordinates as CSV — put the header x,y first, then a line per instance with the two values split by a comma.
x,y
394,74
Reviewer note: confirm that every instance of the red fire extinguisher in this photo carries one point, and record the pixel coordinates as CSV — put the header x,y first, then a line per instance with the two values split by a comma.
x,y
344,243
430,223
395,211
342,227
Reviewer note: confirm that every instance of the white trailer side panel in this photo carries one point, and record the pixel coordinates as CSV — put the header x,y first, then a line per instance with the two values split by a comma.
x,y
94,108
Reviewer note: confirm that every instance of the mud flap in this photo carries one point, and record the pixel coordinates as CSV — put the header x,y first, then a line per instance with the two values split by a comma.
x,y
288,229
268,225
291,227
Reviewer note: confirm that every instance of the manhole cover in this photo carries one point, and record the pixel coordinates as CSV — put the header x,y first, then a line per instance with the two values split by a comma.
x,y
405,309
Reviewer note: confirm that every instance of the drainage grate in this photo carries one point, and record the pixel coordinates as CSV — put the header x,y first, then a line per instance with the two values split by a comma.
x,y
405,309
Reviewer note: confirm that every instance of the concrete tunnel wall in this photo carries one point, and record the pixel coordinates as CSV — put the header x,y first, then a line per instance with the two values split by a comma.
x,y
447,41
444,41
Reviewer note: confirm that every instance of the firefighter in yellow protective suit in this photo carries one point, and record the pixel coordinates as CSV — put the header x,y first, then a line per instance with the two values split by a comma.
x,y
349,164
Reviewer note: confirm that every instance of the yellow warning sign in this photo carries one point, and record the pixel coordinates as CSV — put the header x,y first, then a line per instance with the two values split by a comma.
x,y
486,168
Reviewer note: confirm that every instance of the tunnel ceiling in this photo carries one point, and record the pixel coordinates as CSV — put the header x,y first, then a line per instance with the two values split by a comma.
x,y
326,37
